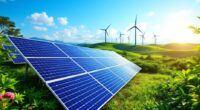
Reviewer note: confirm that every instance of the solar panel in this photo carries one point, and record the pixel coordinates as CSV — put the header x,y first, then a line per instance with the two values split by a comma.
x,y
89,64
109,80
8,47
14,54
72,51
79,77
94,52
53,68
81,92
17,58
33,48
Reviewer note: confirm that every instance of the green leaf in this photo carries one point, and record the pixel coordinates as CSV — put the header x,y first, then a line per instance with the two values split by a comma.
x,y
7,83
19,98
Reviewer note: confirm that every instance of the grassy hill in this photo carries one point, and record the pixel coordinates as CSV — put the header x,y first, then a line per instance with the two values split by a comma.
x,y
173,50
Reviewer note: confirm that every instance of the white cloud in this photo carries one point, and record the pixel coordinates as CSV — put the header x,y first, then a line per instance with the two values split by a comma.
x,y
41,19
82,26
151,13
39,28
76,35
63,20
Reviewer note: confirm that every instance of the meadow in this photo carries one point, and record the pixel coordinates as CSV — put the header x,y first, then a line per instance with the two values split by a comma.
x,y
160,64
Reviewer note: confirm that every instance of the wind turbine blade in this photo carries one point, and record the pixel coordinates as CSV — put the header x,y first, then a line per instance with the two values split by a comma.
x,y
136,20
107,33
138,29
108,27
102,29
131,28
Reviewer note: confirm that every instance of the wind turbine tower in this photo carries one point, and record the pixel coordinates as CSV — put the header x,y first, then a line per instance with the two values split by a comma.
x,y
143,34
120,37
155,38
106,32
135,27
128,39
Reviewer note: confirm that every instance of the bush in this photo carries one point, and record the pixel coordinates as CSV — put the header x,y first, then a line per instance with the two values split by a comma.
x,y
183,92
148,66
8,96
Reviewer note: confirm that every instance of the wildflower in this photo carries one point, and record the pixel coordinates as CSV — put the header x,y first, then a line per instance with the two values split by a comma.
x,y
9,95
1,97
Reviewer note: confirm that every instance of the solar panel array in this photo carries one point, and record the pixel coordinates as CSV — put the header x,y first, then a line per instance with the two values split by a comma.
x,y
14,54
79,77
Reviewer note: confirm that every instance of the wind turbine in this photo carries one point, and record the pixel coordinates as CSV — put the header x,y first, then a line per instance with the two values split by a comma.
x,y
120,37
128,39
143,34
155,38
116,40
136,28
106,32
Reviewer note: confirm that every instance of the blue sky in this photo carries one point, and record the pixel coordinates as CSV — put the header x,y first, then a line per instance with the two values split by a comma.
x,y
79,21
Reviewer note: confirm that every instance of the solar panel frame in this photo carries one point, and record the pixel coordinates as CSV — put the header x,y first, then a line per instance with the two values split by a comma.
x,y
15,60
6,47
46,83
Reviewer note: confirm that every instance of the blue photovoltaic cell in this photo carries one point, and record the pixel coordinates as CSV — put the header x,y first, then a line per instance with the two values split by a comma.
x,y
109,80
17,58
122,72
32,48
13,54
107,62
8,47
132,69
93,52
89,64
53,68
134,66
72,51
111,54
81,92
86,79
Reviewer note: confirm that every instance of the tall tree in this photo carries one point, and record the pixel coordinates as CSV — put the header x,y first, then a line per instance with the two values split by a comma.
x,y
195,29
8,27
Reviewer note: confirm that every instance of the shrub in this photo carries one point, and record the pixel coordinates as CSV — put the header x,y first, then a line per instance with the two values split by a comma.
x,y
7,95
147,66
182,92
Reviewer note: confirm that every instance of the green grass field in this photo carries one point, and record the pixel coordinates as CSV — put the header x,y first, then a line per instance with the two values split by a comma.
x,y
172,50
138,93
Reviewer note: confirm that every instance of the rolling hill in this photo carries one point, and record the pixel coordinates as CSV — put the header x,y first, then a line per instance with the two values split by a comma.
x,y
173,50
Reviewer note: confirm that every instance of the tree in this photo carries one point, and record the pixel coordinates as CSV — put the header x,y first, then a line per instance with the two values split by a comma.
x,y
196,30
8,27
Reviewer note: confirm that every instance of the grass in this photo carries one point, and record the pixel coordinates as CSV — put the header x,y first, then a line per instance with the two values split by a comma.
x,y
172,50
138,93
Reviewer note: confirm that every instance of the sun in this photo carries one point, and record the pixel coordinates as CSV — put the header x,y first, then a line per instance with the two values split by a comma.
x,y
182,39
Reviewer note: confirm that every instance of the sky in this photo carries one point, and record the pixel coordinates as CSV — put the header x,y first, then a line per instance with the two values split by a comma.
x,y
79,21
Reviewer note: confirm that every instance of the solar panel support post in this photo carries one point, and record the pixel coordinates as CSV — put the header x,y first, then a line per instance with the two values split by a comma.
x,y
26,70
